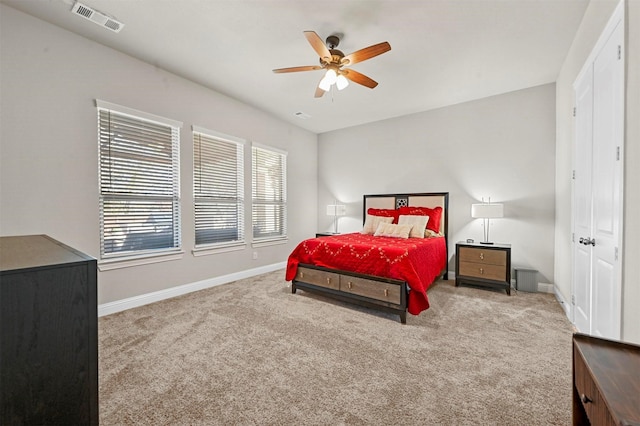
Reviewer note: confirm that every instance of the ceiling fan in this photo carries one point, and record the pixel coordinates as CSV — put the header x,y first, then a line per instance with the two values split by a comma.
x,y
334,61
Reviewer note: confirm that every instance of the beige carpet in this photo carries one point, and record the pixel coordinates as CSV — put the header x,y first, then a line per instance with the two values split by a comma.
x,y
250,352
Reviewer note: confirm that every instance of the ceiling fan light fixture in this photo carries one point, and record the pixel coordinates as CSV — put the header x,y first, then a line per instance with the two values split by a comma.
x,y
331,76
341,82
333,61
324,84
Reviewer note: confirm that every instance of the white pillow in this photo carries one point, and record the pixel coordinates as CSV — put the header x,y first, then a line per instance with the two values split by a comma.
x,y
371,223
393,230
419,224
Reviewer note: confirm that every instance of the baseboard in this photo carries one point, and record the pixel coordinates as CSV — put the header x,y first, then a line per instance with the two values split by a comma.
x,y
145,299
563,303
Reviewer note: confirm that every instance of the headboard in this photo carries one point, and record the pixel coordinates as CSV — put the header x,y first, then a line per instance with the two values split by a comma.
x,y
423,199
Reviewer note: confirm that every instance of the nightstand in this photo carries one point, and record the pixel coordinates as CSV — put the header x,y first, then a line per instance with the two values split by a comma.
x,y
487,265
325,234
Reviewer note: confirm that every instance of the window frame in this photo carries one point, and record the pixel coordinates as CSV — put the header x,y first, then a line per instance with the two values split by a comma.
x,y
282,237
239,144
110,192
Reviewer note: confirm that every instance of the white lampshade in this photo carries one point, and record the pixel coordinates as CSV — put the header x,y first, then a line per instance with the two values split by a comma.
x,y
336,210
487,211
331,76
341,82
324,84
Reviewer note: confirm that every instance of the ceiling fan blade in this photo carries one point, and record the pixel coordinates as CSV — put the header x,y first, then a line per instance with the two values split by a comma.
x,y
319,91
318,45
366,53
359,78
296,69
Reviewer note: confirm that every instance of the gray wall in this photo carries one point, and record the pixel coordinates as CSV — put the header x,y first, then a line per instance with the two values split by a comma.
x,y
49,150
501,147
593,23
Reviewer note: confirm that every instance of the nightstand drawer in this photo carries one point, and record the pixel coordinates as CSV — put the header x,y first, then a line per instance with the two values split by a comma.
x,y
480,270
376,290
319,278
479,255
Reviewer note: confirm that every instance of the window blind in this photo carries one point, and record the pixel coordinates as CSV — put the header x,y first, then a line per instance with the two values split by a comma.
x,y
139,185
269,193
218,186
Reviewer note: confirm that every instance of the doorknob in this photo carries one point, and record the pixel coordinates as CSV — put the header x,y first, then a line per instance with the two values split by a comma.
x,y
581,241
588,241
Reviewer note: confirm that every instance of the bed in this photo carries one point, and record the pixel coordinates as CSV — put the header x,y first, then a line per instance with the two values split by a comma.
x,y
389,265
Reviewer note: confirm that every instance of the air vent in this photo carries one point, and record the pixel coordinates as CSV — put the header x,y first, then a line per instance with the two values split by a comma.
x,y
97,17
302,115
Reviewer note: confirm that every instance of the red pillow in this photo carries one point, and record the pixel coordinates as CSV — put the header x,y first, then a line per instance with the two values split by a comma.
x,y
384,213
435,215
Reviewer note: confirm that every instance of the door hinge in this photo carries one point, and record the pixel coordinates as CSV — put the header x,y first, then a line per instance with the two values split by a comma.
x,y
619,52
615,250
574,111
573,174
573,237
617,153
573,299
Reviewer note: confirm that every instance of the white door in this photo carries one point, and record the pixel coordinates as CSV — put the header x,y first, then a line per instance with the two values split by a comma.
x,y
597,199
582,203
608,138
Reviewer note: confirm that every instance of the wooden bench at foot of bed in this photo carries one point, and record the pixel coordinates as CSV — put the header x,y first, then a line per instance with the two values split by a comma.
x,y
384,294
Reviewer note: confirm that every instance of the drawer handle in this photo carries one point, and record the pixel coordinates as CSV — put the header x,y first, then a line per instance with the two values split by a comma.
x,y
301,274
585,399
328,280
481,271
481,256
386,292
349,284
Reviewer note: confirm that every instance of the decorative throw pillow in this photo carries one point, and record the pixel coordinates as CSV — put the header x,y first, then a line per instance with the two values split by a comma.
x,y
384,212
435,215
393,230
428,233
419,224
371,223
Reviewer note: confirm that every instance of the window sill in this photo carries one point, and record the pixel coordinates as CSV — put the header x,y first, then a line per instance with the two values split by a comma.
x,y
206,251
127,262
266,243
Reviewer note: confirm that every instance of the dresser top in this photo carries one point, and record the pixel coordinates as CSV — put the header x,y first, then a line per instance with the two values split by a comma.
x,y
33,251
615,366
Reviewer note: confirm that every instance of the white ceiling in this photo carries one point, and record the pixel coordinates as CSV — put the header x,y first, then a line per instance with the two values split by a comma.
x,y
443,51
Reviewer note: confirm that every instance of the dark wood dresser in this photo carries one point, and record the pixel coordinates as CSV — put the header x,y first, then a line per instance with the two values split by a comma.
x,y
48,333
606,382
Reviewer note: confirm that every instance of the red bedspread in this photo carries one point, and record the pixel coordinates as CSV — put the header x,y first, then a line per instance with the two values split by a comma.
x,y
418,261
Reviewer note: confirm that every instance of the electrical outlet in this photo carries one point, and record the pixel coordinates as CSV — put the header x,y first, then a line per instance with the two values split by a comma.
x,y
255,255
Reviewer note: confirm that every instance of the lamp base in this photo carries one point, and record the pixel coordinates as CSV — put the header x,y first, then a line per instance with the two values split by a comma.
x,y
486,242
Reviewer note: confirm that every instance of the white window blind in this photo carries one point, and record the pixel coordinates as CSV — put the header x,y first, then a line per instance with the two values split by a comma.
x,y
139,184
269,193
218,186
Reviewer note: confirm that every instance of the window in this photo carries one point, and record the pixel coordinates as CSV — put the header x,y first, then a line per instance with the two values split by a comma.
x,y
269,193
139,182
218,188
